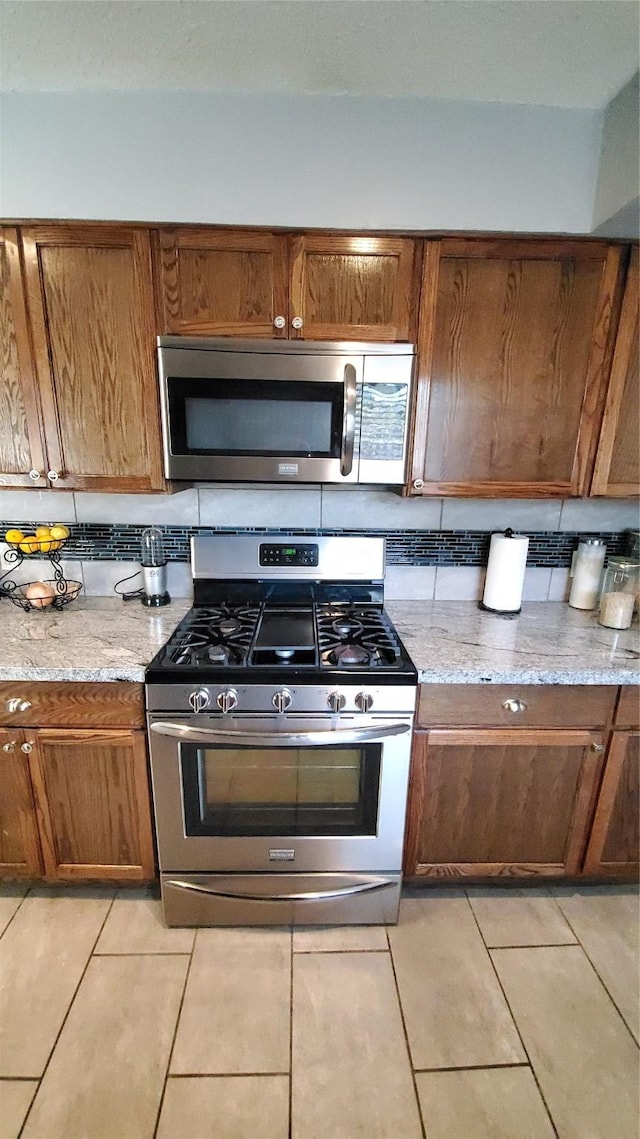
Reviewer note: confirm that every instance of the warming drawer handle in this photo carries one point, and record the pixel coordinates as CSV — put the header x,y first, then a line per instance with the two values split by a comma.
x,y
349,420
306,896
278,739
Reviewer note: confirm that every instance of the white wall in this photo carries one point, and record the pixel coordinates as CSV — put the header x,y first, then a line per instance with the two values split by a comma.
x,y
298,161
616,204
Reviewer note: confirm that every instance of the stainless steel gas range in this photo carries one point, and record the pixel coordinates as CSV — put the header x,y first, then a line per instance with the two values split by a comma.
x,y
280,715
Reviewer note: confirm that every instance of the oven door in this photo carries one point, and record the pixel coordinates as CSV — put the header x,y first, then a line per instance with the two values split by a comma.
x,y
280,794
260,416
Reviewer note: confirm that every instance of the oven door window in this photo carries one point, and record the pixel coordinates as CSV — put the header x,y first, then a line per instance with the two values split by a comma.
x,y
256,417
246,791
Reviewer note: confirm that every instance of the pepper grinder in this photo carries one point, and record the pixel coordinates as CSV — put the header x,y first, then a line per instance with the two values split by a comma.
x,y
586,573
154,568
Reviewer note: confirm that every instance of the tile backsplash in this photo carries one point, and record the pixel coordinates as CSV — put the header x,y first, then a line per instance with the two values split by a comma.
x,y
435,547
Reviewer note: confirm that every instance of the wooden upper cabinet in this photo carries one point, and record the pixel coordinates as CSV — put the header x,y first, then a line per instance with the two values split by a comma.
x,y
514,346
617,469
90,300
352,288
222,282
21,449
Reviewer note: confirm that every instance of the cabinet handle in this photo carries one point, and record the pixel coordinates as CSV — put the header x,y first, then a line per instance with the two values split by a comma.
x,y
514,705
26,748
297,322
418,484
17,704
10,746
35,476
53,476
597,748
279,322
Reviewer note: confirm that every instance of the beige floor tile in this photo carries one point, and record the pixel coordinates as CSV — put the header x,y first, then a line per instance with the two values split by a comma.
x,y
341,939
135,925
351,1076
455,1013
225,1107
236,1012
519,917
42,957
10,898
583,1055
105,1078
487,1103
15,1100
607,923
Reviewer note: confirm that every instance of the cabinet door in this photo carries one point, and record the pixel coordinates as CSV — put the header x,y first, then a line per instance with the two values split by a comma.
x,y
217,282
514,345
19,844
615,838
21,451
352,288
617,469
503,802
92,796
91,307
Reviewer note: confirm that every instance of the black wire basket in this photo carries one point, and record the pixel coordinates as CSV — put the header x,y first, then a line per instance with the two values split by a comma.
x,y
61,591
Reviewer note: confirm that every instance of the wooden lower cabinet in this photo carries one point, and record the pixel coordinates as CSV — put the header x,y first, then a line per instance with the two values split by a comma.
x,y
613,849
491,802
20,854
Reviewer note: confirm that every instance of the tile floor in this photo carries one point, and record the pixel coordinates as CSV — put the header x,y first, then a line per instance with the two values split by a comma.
x,y
485,1014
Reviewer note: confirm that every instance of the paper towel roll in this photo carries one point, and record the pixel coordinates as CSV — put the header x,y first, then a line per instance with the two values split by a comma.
x,y
505,572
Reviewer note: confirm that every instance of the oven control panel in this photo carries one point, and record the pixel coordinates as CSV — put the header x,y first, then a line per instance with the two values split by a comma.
x,y
283,555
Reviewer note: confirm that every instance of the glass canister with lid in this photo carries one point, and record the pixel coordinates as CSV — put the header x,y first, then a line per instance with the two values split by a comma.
x,y
586,573
619,593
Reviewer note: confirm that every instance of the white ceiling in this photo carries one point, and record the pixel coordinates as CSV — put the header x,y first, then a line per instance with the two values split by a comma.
x,y
566,53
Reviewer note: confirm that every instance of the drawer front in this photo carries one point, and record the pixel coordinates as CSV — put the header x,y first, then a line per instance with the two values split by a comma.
x,y
514,706
62,704
628,714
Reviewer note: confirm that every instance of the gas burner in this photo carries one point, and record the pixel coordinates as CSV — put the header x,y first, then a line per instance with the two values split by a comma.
x,y
285,654
345,627
227,626
349,654
222,654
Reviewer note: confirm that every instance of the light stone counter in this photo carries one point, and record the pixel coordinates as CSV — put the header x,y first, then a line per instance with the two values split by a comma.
x,y
454,642
93,638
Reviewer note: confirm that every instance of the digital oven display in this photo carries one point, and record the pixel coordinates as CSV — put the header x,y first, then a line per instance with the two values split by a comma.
x,y
306,555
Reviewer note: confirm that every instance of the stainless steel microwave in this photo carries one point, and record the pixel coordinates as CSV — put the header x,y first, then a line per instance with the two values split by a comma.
x,y
284,410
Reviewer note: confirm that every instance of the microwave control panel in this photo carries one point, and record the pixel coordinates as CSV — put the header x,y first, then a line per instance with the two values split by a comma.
x,y
303,555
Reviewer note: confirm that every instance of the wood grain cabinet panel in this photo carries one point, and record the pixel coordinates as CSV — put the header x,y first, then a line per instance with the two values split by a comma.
x,y
19,844
614,848
65,704
515,705
90,299
92,797
353,288
514,347
217,282
617,469
485,803
20,441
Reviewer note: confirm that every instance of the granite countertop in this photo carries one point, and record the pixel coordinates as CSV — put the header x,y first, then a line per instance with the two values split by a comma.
x,y
450,642
454,642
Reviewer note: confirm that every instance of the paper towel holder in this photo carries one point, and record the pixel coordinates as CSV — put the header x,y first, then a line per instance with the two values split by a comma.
x,y
505,613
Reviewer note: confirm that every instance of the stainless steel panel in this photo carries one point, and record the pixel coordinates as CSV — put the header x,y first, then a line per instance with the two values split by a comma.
x,y
261,899
253,468
238,556
309,698
288,347
191,733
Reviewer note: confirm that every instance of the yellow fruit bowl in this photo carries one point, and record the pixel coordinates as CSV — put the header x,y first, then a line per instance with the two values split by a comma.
x,y
45,540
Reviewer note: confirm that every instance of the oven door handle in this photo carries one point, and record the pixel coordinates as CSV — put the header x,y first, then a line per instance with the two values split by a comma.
x,y
349,420
303,896
277,739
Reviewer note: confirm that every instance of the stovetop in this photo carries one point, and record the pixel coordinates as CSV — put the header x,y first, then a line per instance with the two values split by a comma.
x,y
277,642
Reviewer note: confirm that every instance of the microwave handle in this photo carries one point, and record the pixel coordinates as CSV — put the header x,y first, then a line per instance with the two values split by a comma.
x,y
277,739
349,420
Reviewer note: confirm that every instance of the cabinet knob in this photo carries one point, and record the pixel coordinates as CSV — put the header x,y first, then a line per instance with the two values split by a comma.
x,y
27,747
35,476
418,484
17,704
297,322
514,705
53,476
279,322
10,745
598,748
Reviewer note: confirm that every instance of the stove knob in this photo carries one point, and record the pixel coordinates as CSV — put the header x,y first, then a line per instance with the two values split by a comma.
x,y
228,700
336,701
198,699
282,700
364,701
